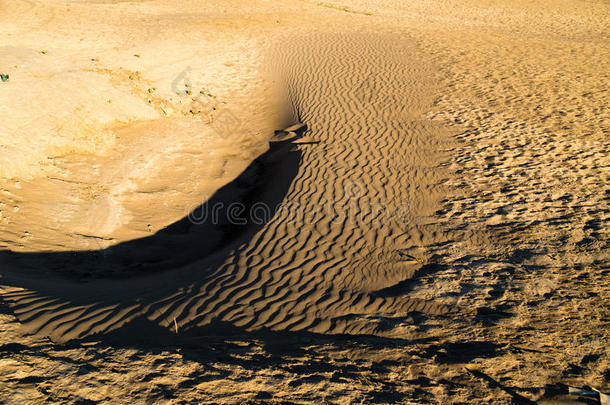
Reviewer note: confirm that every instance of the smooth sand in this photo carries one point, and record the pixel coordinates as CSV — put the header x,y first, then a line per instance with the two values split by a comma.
x,y
445,209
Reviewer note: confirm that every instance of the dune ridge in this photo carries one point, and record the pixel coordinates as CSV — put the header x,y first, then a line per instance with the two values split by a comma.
x,y
361,97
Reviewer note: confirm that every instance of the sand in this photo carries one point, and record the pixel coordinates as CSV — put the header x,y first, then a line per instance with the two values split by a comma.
x,y
436,231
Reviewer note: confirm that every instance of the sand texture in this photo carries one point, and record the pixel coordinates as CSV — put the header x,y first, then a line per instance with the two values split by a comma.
x,y
298,201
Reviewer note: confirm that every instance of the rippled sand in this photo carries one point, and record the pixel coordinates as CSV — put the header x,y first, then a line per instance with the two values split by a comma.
x,y
437,232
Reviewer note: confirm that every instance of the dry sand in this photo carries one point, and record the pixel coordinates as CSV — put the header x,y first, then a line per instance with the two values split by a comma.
x,y
437,233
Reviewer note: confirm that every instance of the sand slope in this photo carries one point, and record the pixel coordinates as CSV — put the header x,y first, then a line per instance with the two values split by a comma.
x,y
355,199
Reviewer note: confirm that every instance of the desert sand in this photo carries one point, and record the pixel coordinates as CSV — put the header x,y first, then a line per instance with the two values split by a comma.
x,y
300,201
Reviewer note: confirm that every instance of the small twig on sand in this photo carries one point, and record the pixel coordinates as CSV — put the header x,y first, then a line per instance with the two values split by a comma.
x,y
409,257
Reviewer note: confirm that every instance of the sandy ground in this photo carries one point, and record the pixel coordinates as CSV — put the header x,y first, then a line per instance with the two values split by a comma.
x,y
437,233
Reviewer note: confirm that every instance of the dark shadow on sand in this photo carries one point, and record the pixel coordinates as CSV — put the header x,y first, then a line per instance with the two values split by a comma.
x,y
233,214
151,276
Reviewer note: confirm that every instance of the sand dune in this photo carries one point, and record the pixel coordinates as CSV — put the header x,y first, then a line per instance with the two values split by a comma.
x,y
371,201
356,197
